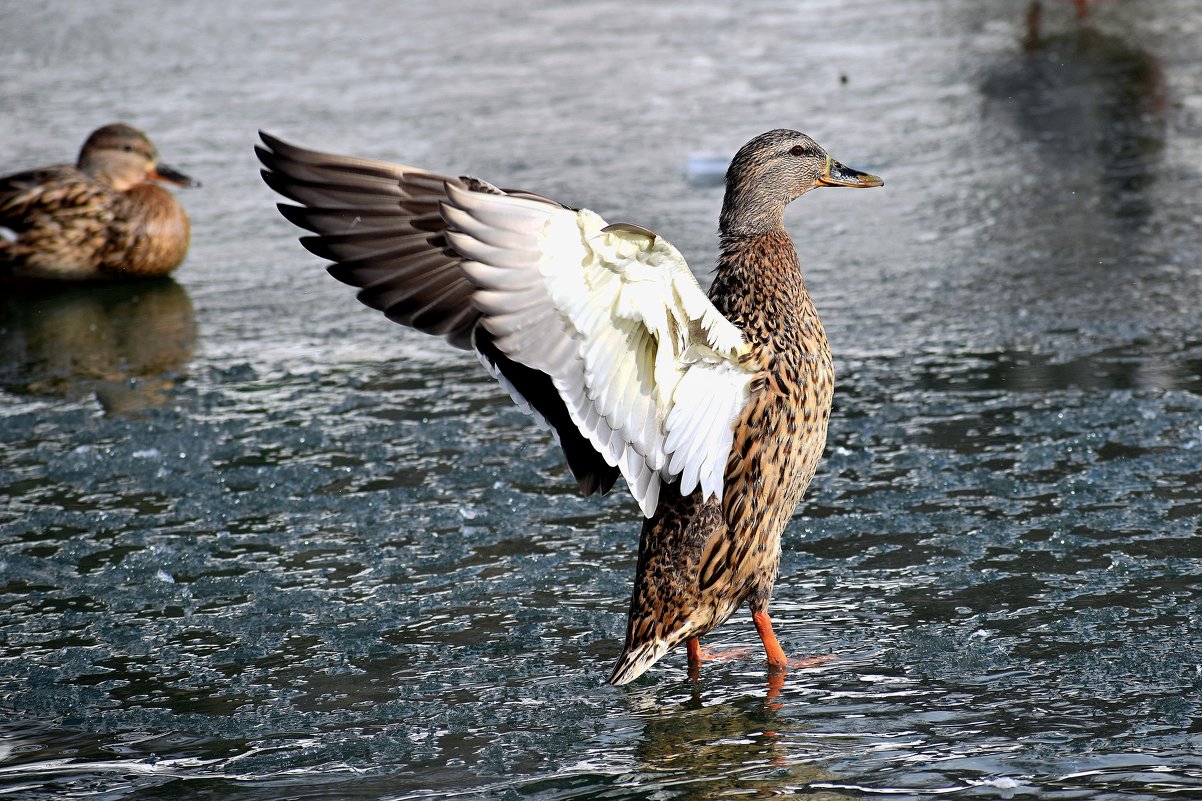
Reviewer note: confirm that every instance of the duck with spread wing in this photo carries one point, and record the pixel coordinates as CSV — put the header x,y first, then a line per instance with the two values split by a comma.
x,y
713,408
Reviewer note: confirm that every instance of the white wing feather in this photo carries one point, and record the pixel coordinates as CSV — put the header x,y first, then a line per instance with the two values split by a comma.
x,y
649,370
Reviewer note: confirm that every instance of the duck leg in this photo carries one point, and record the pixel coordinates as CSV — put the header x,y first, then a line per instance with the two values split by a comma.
x,y
776,655
693,646
777,661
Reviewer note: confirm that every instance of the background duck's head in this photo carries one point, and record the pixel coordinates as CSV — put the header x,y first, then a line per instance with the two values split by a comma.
x,y
122,157
770,172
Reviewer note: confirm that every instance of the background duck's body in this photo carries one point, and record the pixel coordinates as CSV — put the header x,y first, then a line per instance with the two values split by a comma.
x,y
102,218
713,408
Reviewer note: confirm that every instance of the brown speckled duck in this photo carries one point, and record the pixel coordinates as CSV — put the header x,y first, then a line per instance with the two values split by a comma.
x,y
713,409
102,218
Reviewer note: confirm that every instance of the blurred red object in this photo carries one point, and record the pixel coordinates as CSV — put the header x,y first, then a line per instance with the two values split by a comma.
x,y
1083,6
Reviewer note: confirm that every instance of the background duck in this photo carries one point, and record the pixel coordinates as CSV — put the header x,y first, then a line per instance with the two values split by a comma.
x,y
714,409
102,218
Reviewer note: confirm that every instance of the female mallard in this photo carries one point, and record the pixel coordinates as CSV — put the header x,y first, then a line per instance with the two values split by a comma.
x,y
102,218
713,410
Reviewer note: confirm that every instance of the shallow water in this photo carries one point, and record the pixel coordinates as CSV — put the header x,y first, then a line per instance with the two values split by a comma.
x,y
259,543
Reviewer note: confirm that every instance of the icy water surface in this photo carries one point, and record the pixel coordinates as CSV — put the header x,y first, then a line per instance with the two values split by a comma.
x,y
259,543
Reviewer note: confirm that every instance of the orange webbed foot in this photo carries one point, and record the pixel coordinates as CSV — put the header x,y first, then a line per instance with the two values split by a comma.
x,y
806,662
778,663
697,654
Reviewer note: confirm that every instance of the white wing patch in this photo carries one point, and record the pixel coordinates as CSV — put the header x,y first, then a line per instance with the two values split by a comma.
x,y
648,368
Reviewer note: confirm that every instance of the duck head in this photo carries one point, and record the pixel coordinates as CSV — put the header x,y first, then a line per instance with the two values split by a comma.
x,y
770,172
122,157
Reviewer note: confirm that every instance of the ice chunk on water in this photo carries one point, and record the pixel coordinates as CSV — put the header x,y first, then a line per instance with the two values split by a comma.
x,y
1005,784
706,169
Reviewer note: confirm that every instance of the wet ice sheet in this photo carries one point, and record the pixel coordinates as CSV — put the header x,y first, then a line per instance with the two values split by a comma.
x,y
1015,617
296,552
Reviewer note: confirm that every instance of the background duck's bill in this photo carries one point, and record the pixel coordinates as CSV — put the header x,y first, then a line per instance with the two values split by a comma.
x,y
173,176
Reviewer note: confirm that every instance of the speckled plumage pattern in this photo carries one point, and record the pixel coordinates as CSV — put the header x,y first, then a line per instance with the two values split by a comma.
x,y
100,219
702,560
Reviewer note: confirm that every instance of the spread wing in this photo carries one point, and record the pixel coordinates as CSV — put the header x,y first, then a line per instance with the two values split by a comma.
x,y
600,330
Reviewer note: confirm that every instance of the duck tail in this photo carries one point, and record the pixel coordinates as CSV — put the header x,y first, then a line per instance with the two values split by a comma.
x,y
636,659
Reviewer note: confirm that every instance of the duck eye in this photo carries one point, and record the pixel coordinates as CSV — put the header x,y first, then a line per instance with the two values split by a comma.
x,y
797,150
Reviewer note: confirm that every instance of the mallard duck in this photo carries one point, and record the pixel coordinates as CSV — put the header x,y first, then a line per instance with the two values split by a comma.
x,y
713,409
102,218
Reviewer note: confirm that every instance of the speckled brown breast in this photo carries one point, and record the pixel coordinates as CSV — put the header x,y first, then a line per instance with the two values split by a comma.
x,y
698,561
149,236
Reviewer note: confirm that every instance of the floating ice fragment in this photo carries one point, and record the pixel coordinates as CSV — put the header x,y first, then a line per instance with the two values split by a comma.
x,y
82,449
1004,783
147,453
467,513
706,169
163,575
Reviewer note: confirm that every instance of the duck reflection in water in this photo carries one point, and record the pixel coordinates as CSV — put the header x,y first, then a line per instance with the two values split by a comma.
x,y
1093,104
1077,110
737,746
1082,6
124,344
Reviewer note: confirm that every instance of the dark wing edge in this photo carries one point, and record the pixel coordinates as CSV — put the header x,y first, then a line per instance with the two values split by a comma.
x,y
382,226
379,224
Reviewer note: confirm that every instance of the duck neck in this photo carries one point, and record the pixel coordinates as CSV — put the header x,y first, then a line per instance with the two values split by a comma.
x,y
748,211
765,257
759,287
758,283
